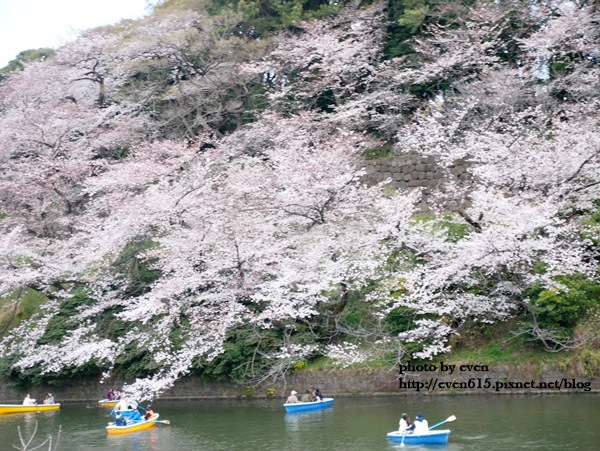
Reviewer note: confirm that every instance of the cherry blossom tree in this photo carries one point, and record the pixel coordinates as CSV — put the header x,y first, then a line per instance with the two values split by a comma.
x,y
254,231
262,222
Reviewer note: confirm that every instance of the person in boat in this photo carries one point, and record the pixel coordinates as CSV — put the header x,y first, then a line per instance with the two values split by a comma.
x,y
136,416
120,419
126,404
29,401
317,396
123,404
110,395
149,413
49,399
421,425
306,397
405,425
292,399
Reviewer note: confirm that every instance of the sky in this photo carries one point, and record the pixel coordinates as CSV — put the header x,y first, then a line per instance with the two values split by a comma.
x,y
31,24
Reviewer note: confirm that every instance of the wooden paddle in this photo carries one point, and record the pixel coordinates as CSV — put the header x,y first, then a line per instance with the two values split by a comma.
x,y
450,418
163,421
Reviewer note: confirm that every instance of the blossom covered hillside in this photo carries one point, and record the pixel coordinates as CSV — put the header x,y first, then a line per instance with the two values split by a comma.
x,y
181,195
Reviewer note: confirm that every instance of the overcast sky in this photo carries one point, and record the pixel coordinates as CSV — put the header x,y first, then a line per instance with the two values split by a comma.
x,y
31,24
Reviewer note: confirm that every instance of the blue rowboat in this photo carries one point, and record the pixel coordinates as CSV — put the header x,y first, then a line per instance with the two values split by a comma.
x,y
432,437
306,406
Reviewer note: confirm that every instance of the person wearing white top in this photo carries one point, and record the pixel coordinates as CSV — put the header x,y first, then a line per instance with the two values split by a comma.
x,y
421,425
292,399
28,401
404,424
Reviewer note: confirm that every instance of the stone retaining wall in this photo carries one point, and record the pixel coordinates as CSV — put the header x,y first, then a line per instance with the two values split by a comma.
x,y
413,171
342,382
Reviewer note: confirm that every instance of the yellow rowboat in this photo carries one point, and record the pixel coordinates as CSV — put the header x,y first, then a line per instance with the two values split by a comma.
x,y
19,408
108,402
134,427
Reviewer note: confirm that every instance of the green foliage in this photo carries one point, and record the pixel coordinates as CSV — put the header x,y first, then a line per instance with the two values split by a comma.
x,y
586,358
19,307
118,153
377,152
497,344
240,357
136,269
326,101
108,325
513,27
257,101
271,391
26,56
589,360
566,306
408,18
399,320
591,227
135,361
195,5
397,34
63,322
560,66
448,223
299,365
269,15
414,13
260,17
33,376
429,88
539,267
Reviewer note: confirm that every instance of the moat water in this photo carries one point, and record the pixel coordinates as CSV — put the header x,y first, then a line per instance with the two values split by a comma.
x,y
484,422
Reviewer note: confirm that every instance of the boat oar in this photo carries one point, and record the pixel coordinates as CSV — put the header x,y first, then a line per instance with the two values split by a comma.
x,y
163,421
450,418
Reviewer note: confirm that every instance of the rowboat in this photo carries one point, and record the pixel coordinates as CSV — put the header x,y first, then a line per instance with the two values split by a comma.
x,y
432,437
305,406
108,402
134,427
19,408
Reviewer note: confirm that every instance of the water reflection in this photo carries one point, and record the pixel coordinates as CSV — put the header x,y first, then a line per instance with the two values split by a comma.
x,y
146,440
483,422
296,421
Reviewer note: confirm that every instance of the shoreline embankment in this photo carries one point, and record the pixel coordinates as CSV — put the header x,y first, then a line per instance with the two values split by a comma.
x,y
434,379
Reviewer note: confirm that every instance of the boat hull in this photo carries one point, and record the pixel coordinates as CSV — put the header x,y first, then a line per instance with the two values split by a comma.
x,y
135,427
18,408
108,402
433,437
307,406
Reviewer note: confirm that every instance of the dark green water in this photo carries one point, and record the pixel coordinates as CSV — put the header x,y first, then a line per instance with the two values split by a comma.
x,y
507,422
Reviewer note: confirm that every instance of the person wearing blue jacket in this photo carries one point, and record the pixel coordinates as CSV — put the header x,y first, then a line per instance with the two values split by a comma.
x,y
136,416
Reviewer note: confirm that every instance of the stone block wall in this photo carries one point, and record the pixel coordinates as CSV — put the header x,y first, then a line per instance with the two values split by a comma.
x,y
411,171
340,382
